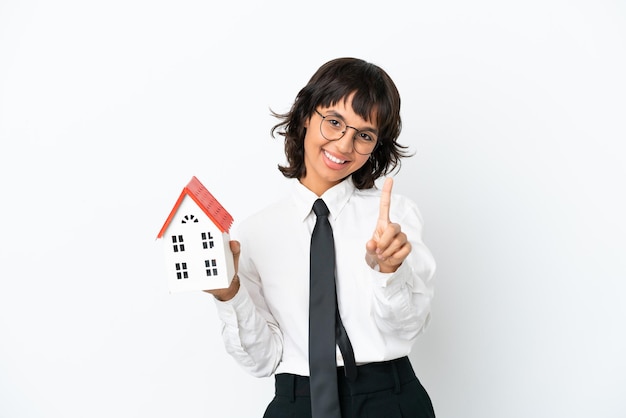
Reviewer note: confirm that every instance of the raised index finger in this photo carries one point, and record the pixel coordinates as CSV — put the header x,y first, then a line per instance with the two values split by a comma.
x,y
385,200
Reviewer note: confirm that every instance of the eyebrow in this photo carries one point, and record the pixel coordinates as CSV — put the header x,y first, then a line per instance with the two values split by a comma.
x,y
338,115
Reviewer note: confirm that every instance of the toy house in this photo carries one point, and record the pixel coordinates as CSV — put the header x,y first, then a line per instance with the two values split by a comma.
x,y
195,240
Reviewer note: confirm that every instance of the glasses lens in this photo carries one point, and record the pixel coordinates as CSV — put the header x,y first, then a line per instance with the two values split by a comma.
x,y
332,129
365,142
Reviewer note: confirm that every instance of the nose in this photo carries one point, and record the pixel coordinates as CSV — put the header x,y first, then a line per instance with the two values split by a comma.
x,y
346,143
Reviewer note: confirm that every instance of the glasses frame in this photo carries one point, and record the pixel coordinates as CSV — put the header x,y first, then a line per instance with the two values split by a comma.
x,y
344,134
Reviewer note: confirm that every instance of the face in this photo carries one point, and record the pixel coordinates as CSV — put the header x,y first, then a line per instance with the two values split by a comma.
x,y
329,162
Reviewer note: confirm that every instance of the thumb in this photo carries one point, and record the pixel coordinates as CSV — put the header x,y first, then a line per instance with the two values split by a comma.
x,y
370,253
370,247
235,248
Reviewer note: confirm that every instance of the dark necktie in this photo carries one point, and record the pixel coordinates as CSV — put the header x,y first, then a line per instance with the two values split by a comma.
x,y
326,330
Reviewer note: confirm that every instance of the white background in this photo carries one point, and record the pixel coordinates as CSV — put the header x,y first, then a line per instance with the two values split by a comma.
x,y
516,111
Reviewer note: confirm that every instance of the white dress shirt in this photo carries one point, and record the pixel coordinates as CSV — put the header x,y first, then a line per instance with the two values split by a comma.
x,y
266,325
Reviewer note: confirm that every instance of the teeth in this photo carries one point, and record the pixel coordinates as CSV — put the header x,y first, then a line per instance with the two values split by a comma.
x,y
333,159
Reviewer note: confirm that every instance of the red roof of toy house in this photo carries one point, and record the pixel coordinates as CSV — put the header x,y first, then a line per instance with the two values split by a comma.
x,y
205,200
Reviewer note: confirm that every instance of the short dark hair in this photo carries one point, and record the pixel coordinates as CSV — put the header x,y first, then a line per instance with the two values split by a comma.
x,y
375,96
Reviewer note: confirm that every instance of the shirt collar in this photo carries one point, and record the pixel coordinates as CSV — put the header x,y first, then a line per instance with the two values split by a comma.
x,y
335,198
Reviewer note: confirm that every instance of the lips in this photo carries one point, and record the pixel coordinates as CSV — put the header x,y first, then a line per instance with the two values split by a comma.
x,y
333,158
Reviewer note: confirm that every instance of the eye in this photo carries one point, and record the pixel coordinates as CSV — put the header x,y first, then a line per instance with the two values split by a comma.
x,y
336,124
367,136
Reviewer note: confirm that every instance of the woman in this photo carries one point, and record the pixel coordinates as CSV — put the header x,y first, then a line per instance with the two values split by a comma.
x,y
340,137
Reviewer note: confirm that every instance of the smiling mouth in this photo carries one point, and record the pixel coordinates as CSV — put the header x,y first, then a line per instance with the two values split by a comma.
x,y
333,159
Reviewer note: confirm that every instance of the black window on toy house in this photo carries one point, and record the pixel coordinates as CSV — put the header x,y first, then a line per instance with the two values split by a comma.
x,y
211,267
207,240
177,243
181,271
189,218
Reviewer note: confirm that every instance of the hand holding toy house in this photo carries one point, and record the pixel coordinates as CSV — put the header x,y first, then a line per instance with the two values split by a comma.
x,y
196,242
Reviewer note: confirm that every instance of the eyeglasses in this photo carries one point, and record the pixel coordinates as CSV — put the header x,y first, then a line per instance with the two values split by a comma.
x,y
334,128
